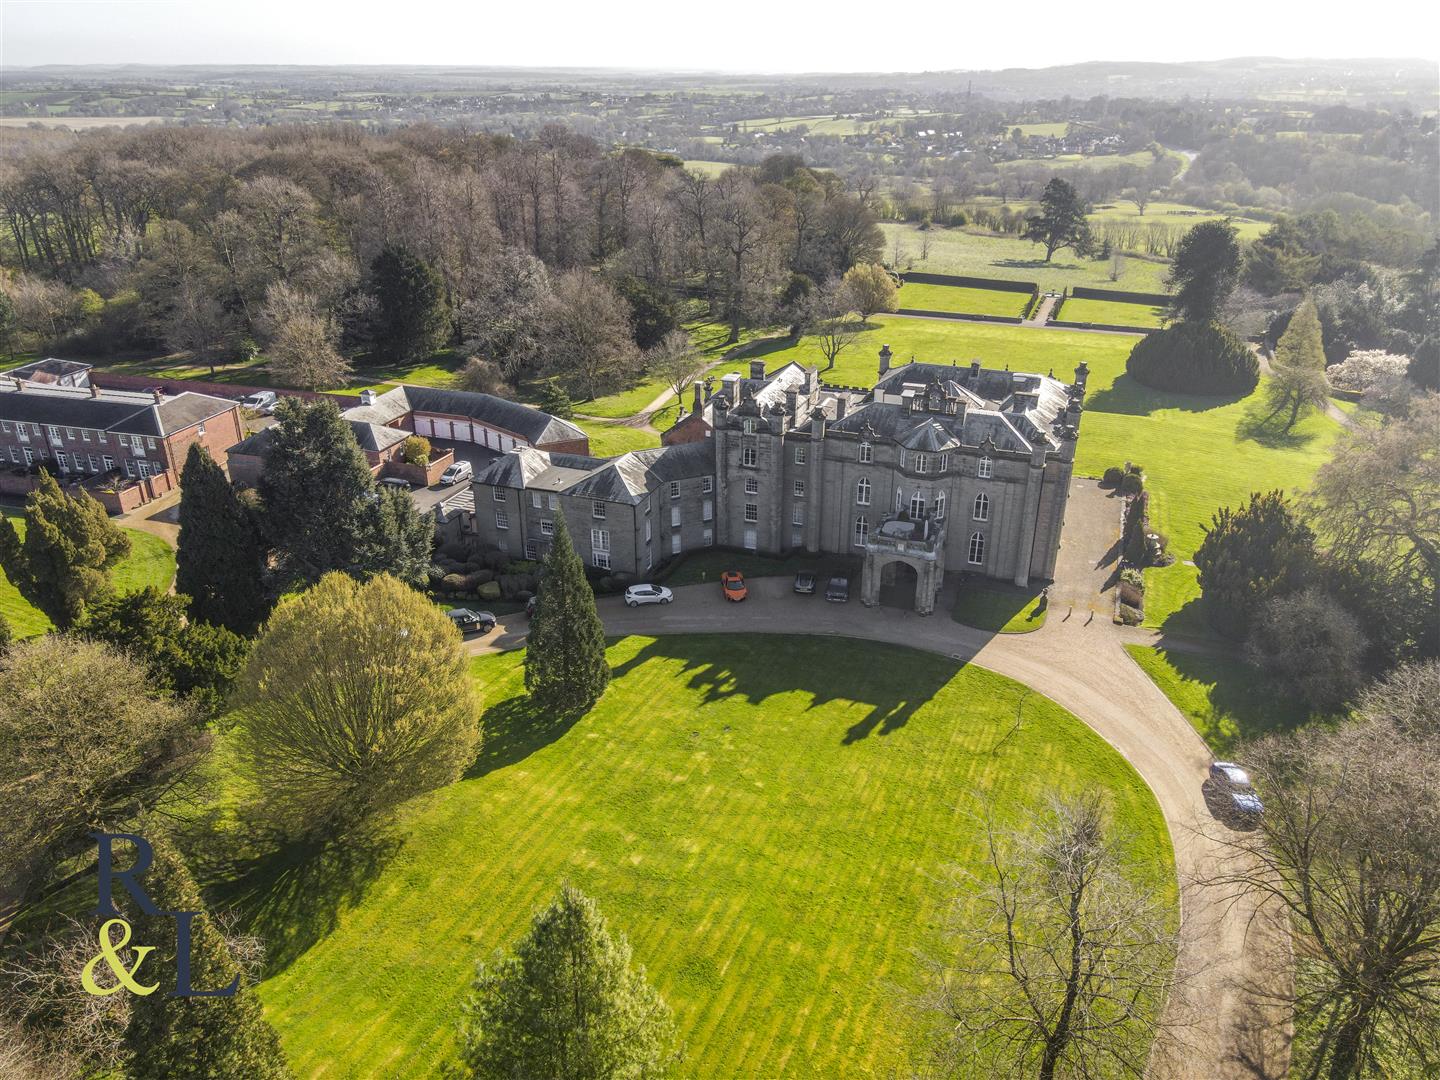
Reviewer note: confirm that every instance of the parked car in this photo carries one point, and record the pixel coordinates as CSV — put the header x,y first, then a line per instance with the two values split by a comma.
x,y
1230,774
468,621
838,590
461,470
732,585
1245,803
805,582
636,595
260,401
396,482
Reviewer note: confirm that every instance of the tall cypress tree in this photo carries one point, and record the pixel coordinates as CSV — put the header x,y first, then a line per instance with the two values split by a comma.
x,y
220,561
410,321
1302,345
565,666
170,1036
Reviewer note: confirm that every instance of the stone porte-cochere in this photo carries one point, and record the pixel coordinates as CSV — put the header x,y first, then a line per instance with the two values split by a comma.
x,y
898,553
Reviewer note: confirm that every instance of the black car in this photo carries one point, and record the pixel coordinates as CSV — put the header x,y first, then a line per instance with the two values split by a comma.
x,y
805,582
838,590
467,621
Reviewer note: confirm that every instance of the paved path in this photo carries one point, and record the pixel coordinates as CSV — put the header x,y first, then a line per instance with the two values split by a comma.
x,y
1080,663
1043,310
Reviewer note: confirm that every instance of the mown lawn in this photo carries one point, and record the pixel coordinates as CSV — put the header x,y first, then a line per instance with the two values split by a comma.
x,y
963,300
151,562
607,440
1112,313
1198,453
1223,698
765,818
999,608
977,254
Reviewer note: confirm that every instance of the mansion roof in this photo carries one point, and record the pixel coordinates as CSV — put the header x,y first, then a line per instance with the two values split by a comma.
x,y
625,479
119,411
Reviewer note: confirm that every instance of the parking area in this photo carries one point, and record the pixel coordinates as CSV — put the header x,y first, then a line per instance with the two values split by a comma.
x,y
478,456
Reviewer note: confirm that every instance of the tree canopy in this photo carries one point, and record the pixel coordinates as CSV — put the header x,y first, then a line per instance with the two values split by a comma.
x,y
1251,554
1061,222
410,320
220,559
565,666
70,545
566,1004
355,697
1205,271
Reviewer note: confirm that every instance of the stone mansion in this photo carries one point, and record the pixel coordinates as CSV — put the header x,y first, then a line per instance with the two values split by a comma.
x,y
937,469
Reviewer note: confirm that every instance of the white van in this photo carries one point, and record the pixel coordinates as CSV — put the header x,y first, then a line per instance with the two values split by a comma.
x,y
460,471
260,401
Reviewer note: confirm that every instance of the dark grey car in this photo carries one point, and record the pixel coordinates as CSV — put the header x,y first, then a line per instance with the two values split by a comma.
x,y
805,582
838,590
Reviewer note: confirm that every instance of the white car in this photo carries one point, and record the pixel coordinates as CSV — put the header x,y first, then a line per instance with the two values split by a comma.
x,y
461,470
260,401
636,595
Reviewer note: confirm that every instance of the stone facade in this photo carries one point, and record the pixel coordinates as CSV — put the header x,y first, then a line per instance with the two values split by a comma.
x,y
938,469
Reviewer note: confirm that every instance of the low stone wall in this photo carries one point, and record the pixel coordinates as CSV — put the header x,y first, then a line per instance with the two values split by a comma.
x,y
1120,296
418,475
1067,325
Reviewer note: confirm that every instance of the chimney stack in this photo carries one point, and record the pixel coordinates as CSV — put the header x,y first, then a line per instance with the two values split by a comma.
x,y
974,371
367,397
159,394
757,369
94,390
699,397
841,404
885,355
791,399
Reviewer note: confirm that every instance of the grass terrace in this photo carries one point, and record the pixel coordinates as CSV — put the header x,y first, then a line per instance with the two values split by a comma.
x,y
999,608
1113,313
962,300
763,817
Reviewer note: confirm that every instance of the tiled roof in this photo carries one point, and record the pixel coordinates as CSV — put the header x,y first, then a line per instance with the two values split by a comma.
x,y
108,410
535,427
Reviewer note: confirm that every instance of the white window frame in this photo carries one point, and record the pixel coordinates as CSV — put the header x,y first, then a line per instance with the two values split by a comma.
x,y
922,463
532,549
708,537
940,506
497,494
600,539
752,513
707,485
547,528
917,505
597,509
975,555
752,486
867,453
675,543
980,509
674,517
707,510
600,560
985,467
861,530
862,491
799,489
797,516
674,489
799,455
748,456
502,519
537,500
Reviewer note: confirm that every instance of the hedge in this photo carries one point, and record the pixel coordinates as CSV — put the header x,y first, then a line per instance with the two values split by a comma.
x,y
1119,296
1194,358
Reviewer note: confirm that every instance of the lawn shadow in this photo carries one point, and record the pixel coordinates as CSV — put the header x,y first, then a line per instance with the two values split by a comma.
x,y
1269,429
1127,396
894,683
514,729
291,895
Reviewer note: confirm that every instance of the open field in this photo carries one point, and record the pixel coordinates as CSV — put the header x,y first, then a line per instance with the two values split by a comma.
x,y
1223,698
1170,213
1052,131
763,818
974,254
708,168
963,300
1000,608
1112,313
151,562
79,123
1086,161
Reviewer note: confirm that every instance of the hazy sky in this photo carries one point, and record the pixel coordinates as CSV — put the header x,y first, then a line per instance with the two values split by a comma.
x,y
730,35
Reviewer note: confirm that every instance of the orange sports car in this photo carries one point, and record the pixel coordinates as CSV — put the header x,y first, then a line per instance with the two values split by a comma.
x,y
732,584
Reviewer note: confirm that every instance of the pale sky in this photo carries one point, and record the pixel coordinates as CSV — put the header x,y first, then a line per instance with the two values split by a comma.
x,y
725,35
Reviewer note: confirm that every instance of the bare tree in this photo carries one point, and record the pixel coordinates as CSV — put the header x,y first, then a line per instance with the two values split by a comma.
x,y
481,376
1141,196
1064,955
834,329
301,346
675,360
1347,846
1299,389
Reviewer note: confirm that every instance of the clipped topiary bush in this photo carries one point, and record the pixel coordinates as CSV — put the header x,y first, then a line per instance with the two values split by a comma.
x,y
1194,358
1113,475
1132,484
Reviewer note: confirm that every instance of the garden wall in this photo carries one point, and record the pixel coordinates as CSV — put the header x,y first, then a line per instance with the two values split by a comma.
x,y
998,284
1119,296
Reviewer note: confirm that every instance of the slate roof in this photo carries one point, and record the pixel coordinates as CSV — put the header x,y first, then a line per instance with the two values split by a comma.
x,y
625,479
372,437
532,425
49,370
119,411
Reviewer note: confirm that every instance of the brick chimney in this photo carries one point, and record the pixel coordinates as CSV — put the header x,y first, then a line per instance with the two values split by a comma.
x,y
885,355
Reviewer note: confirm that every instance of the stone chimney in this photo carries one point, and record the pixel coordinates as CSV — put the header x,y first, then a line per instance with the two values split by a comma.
x,y
699,397
19,385
94,390
757,369
1082,372
841,404
730,389
791,399
159,393
974,371
885,355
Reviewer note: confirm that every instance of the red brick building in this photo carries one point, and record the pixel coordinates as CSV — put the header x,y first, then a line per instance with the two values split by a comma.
x,y
126,448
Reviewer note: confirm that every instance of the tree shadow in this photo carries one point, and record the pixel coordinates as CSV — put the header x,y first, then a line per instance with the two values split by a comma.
x,y
1034,264
514,729
892,685
292,895
1130,397
1269,430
